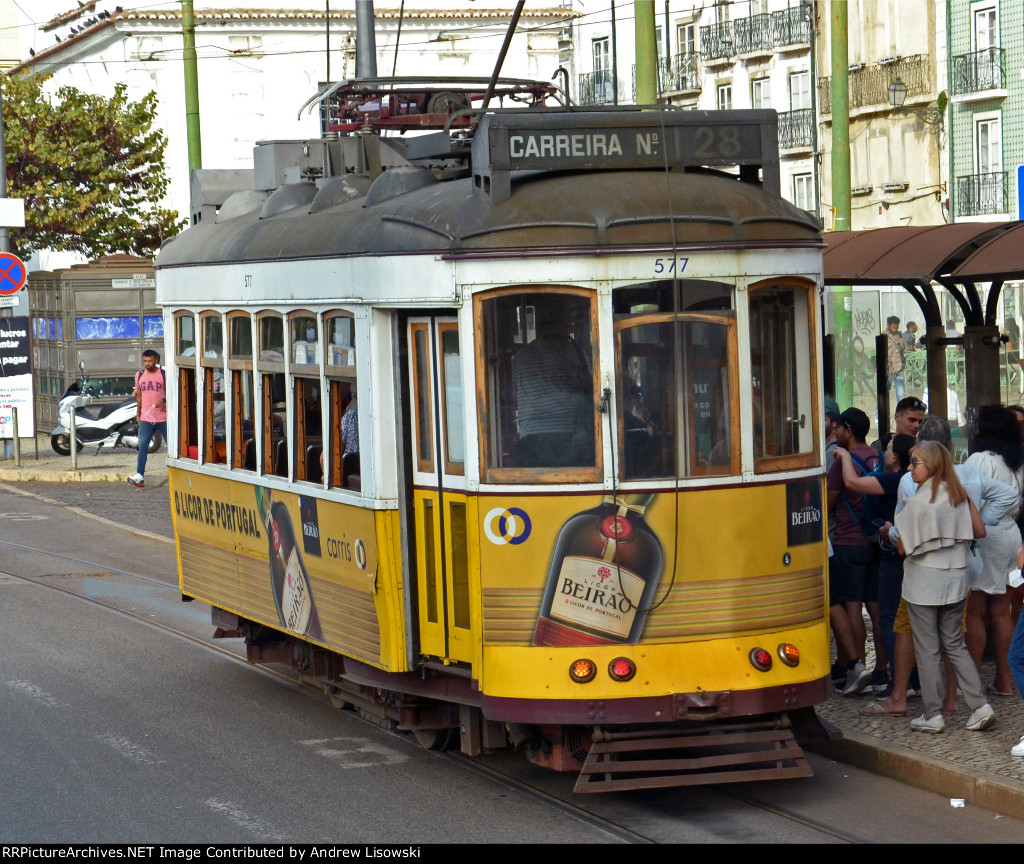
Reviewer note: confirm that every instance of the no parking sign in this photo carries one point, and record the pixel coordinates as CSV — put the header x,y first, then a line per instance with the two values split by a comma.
x,y
12,278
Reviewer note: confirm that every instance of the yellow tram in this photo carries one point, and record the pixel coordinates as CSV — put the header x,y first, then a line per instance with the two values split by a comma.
x,y
509,435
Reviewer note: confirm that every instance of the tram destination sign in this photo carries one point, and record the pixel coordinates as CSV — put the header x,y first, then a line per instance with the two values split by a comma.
x,y
598,141
642,147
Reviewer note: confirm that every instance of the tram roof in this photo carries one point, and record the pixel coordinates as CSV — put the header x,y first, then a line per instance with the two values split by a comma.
x,y
546,210
972,251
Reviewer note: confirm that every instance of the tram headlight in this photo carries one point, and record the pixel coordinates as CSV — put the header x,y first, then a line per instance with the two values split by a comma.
x,y
581,671
621,669
760,659
789,654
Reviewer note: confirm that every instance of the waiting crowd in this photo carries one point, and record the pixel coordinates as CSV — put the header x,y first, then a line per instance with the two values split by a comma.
x,y
933,552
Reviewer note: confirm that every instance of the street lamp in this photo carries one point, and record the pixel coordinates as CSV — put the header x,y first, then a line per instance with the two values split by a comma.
x,y
933,116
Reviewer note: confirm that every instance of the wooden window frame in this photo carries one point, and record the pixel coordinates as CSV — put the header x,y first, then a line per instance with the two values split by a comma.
x,y
545,476
811,458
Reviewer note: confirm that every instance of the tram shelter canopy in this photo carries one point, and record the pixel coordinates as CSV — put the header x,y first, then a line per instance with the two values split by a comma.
x,y
958,257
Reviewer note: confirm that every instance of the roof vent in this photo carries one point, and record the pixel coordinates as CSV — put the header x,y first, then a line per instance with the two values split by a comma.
x,y
288,198
398,181
241,203
340,190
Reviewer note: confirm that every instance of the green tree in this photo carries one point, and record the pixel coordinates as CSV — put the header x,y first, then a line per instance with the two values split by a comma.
x,y
90,169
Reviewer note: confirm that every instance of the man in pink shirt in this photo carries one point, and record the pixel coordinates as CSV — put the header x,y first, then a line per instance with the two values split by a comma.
x,y
151,396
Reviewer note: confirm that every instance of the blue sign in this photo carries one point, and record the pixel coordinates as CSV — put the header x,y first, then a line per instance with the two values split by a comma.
x,y
1020,192
12,274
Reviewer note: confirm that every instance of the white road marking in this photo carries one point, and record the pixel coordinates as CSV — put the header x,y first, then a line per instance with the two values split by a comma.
x,y
130,750
255,824
353,752
33,692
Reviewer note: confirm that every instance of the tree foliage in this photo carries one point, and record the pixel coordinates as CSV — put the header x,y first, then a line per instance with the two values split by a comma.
x,y
90,170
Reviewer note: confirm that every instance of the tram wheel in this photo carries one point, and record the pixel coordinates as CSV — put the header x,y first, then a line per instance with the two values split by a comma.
x,y
436,739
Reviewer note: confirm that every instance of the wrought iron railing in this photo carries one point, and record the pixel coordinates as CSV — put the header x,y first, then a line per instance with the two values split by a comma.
x,y
979,70
596,88
980,194
717,42
796,128
790,27
752,34
681,72
869,85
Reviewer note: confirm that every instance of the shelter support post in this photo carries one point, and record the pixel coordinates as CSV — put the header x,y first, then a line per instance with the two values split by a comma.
x,y
935,339
882,383
981,362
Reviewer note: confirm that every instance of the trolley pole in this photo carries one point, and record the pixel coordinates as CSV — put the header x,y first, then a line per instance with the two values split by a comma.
x,y
646,53
195,149
842,295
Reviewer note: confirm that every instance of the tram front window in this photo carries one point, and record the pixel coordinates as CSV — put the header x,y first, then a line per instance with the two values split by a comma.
x,y
675,396
540,385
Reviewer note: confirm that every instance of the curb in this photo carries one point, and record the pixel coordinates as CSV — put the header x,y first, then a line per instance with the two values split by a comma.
x,y
925,772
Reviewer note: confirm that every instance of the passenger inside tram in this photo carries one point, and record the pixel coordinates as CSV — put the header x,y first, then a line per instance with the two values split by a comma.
x,y
554,410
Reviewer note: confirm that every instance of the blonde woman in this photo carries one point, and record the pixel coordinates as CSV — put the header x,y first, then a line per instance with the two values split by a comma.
x,y
936,528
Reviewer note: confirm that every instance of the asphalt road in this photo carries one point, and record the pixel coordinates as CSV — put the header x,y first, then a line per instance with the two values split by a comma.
x,y
121,724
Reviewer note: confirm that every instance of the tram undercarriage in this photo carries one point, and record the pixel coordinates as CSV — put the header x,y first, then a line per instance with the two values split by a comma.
x,y
440,708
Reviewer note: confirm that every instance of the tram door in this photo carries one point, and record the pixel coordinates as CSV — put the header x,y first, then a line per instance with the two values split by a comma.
x,y
439,488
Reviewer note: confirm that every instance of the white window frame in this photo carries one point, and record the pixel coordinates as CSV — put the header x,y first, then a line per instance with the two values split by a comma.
x,y
803,191
723,97
799,84
686,38
988,121
600,52
990,30
761,93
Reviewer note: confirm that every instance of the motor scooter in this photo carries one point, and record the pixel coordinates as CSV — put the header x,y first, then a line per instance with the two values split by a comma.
x,y
112,425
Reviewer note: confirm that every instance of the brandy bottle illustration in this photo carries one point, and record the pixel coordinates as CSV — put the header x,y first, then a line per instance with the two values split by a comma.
x,y
605,568
293,594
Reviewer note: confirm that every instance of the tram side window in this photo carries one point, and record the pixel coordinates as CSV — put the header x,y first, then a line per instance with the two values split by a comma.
x,y
275,441
214,421
540,384
185,360
243,408
781,362
341,455
676,394
307,431
274,395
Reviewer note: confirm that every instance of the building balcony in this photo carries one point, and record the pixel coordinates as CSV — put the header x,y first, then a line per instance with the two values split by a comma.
x,y
981,194
752,35
679,74
790,27
717,42
869,85
796,129
596,88
979,70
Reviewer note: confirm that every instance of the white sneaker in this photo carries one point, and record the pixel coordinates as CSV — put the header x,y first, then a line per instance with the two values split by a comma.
x,y
922,724
1018,749
137,480
984,717
858,679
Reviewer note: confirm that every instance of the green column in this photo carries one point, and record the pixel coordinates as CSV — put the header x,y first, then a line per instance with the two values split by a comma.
x,y
646,53
188,31
842,295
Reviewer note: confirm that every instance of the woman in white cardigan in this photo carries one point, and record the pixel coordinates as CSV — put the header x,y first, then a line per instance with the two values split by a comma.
x,y
936,528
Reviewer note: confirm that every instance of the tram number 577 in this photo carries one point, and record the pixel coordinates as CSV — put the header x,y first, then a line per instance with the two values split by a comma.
x,y
669,265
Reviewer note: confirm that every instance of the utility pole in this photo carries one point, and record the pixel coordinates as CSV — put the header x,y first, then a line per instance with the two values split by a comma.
x,y
646,53
195,150
842,295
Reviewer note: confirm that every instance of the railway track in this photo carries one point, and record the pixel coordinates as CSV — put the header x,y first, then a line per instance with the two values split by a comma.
x,y
557,796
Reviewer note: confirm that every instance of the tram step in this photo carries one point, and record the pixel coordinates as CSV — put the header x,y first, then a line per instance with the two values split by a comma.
x,y
660,759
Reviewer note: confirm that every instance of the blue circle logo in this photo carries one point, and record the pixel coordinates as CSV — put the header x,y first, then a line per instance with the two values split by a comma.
x,y
511,526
